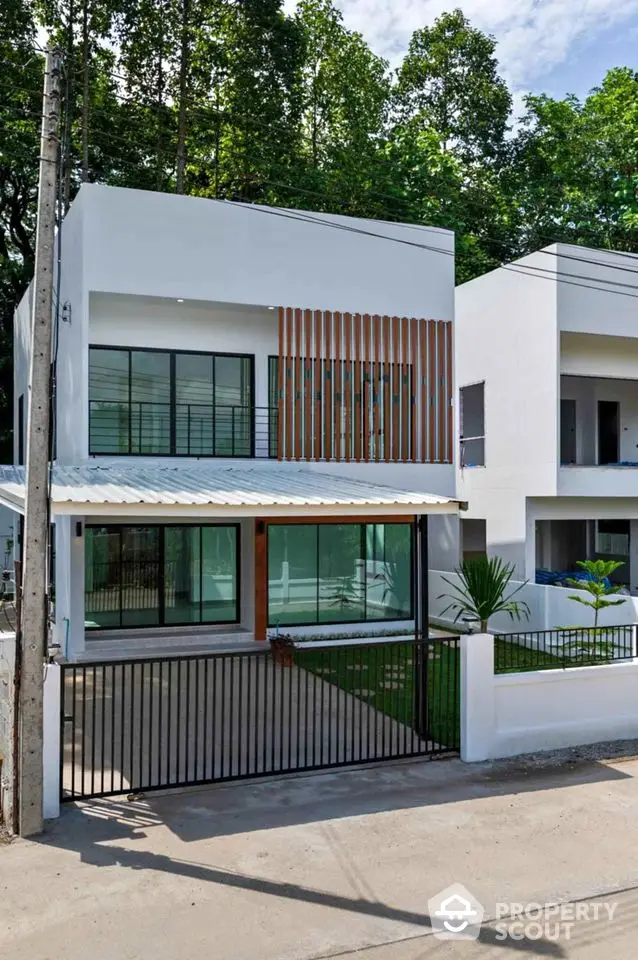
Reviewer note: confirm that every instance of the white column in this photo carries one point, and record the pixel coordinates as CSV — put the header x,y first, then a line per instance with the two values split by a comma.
x,y
477,696
51,742
69,586
633,556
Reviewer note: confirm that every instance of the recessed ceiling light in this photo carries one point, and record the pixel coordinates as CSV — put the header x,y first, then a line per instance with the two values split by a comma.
x,y
179,300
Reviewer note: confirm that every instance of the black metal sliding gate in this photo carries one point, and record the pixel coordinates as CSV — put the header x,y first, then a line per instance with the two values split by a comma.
x,y
132,726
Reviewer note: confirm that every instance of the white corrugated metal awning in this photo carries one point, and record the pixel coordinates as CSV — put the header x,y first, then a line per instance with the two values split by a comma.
x,y
206,489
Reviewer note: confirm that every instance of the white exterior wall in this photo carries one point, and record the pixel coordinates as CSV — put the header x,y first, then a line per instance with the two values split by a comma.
x,y
510,714
506,335
130,256
21,358
519,331
595,301
549,607
161,245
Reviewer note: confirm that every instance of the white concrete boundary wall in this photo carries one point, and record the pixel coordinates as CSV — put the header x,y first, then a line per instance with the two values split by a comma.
x,y
549,607
51,742
509,714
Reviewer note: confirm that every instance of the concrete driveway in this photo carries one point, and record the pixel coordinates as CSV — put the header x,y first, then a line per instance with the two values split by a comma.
x,y
337,865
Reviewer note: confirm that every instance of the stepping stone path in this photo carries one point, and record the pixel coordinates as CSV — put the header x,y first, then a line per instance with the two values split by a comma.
x,y
324,670
392,685
398,673
357,666
364,693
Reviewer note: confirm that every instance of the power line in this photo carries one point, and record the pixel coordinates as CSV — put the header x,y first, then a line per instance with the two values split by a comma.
x,y
396,199
557,276
379,161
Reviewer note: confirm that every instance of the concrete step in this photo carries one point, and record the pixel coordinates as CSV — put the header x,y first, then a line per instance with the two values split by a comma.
x,y
164,645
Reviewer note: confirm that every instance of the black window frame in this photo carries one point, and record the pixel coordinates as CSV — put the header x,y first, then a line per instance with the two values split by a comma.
x,y
339,521
172,354
20,450
161,583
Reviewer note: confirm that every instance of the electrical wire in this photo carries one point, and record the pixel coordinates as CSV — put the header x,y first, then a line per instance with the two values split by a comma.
x,y
369,192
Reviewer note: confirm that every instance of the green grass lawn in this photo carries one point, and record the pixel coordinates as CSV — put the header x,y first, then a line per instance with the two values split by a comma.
x,y
514,658
383,675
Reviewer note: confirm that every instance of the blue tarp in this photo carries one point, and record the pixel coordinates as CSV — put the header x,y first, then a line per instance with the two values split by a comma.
x,y
559,576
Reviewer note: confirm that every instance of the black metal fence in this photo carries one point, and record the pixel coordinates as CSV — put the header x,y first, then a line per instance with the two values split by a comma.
x,y
563,647
141,725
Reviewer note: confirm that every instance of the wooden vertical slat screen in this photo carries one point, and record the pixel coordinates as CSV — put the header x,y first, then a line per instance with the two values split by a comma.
x,y
442,412
327,386
448,393
348,384
405,393
307,385
432,387
357,388
387,390
316,387
375,387
338,388
413,388
364,387
297,385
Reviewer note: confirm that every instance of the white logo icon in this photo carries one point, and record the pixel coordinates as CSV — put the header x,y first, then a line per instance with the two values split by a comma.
x,y
455,914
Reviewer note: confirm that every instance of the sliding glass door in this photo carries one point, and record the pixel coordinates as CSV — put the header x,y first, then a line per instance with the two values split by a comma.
x,y
339,573
149,576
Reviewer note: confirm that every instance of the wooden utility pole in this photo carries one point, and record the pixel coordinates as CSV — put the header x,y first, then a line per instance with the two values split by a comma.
x,y
36,533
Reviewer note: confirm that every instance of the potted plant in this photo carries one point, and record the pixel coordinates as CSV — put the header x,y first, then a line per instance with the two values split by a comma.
x,y
282,647
483,591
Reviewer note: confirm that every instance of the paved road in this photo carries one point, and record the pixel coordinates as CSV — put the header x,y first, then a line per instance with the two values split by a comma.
x,y
338,865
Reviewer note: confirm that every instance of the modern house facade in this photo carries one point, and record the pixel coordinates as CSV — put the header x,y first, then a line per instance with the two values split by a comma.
x,y
253,407
547,419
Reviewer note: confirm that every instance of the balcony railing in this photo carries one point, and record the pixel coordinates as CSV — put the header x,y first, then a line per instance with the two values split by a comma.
x,y
146,428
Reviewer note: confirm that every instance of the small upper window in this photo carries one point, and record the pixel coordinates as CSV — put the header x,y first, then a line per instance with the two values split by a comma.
x,y
472,425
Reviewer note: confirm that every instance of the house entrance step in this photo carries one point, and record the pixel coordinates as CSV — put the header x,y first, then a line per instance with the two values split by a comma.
x,y
124,646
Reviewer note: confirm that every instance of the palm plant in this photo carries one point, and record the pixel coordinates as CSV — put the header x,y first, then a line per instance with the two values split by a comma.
x,y
483,591
597,585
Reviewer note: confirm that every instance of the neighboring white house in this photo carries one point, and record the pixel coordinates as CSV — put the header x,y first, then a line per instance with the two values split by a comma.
x,y
547,379
223,368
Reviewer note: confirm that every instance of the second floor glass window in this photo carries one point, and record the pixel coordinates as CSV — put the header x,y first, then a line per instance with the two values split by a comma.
x,y
168,403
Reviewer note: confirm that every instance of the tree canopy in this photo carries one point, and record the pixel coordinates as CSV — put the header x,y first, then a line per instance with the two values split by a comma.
x,y
238,99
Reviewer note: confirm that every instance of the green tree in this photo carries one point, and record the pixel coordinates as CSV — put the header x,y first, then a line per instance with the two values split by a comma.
x,y
597,585
573,167
344,101
482,591
21,77
449,81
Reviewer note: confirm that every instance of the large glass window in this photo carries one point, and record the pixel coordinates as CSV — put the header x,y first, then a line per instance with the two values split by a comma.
x,y
150,402
109,401
339,572
161,575
167,403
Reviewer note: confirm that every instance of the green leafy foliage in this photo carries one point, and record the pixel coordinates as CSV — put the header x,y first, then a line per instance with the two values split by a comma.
x,y
238,99
597,586
482,591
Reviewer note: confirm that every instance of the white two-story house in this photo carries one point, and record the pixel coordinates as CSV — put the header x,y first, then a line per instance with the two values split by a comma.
x,y
253,408
547,378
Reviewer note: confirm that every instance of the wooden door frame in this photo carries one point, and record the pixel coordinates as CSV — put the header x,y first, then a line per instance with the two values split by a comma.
x,y
261,554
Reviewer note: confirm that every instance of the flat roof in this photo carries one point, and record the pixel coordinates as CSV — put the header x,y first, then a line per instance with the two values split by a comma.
x,y
207,489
